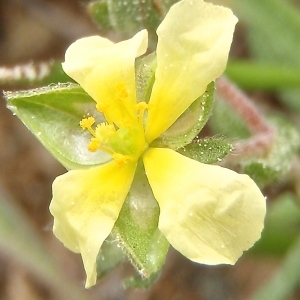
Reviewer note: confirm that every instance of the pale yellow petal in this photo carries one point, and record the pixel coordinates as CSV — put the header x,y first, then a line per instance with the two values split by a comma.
x,y
85,206
208,213
193,44
106,71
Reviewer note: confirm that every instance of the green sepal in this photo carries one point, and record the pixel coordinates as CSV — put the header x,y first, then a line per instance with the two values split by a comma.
x,y
52,114
226,121
207,151
128,17
190,123
145,76
99,12
278,162
140,282
109,256
136,229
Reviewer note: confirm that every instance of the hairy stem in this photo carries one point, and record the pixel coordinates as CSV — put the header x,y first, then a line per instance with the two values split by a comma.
x,y
263,133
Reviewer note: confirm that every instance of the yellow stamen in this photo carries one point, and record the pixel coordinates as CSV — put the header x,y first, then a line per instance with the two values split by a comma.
x,y
94,145
103,109
104,131
141,108
86,123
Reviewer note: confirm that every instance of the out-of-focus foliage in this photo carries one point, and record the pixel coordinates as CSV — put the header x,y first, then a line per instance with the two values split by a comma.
x,y
19,239
128,17
273,28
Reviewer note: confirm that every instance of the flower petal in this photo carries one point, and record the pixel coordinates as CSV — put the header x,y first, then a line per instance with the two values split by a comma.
x,y
106,71
193,44
208,213
85,206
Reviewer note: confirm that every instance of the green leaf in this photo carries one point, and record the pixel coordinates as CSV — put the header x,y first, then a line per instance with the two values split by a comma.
x,y
99,12
279,160
282,226
190,123
19,239
273,26
207,151
263,76
52,114
136,228
286,280
33,74
129,17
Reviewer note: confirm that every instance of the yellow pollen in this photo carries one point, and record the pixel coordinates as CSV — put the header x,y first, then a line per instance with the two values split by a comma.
x,y
104,131
94,145
125,141
87,122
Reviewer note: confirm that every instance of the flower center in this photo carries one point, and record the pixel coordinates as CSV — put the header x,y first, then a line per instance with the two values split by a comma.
x,y
125,142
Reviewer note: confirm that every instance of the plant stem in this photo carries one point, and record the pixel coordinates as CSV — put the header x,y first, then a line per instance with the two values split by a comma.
x,y
263,133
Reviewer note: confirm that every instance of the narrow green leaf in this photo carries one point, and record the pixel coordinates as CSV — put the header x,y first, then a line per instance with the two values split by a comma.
x,y
273,27
263,76
282,285
282,227
190,123
208,151
19,240
52,114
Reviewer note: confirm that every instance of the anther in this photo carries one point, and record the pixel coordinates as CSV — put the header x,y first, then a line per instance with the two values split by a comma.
x,y
141,107
86,122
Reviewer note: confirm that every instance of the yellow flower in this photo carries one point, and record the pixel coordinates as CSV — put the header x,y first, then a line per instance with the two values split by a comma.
x,y
208,213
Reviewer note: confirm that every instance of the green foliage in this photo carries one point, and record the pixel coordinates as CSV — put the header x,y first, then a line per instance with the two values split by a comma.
x,y
282,227
136,230
225,121
52,114
190,123
281,235
144,76
20,240
109,257
208,151
128,17
251,74
278,162
272,29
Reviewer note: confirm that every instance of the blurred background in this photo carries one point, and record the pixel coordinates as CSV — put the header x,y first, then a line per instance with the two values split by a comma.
x,y
264,62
